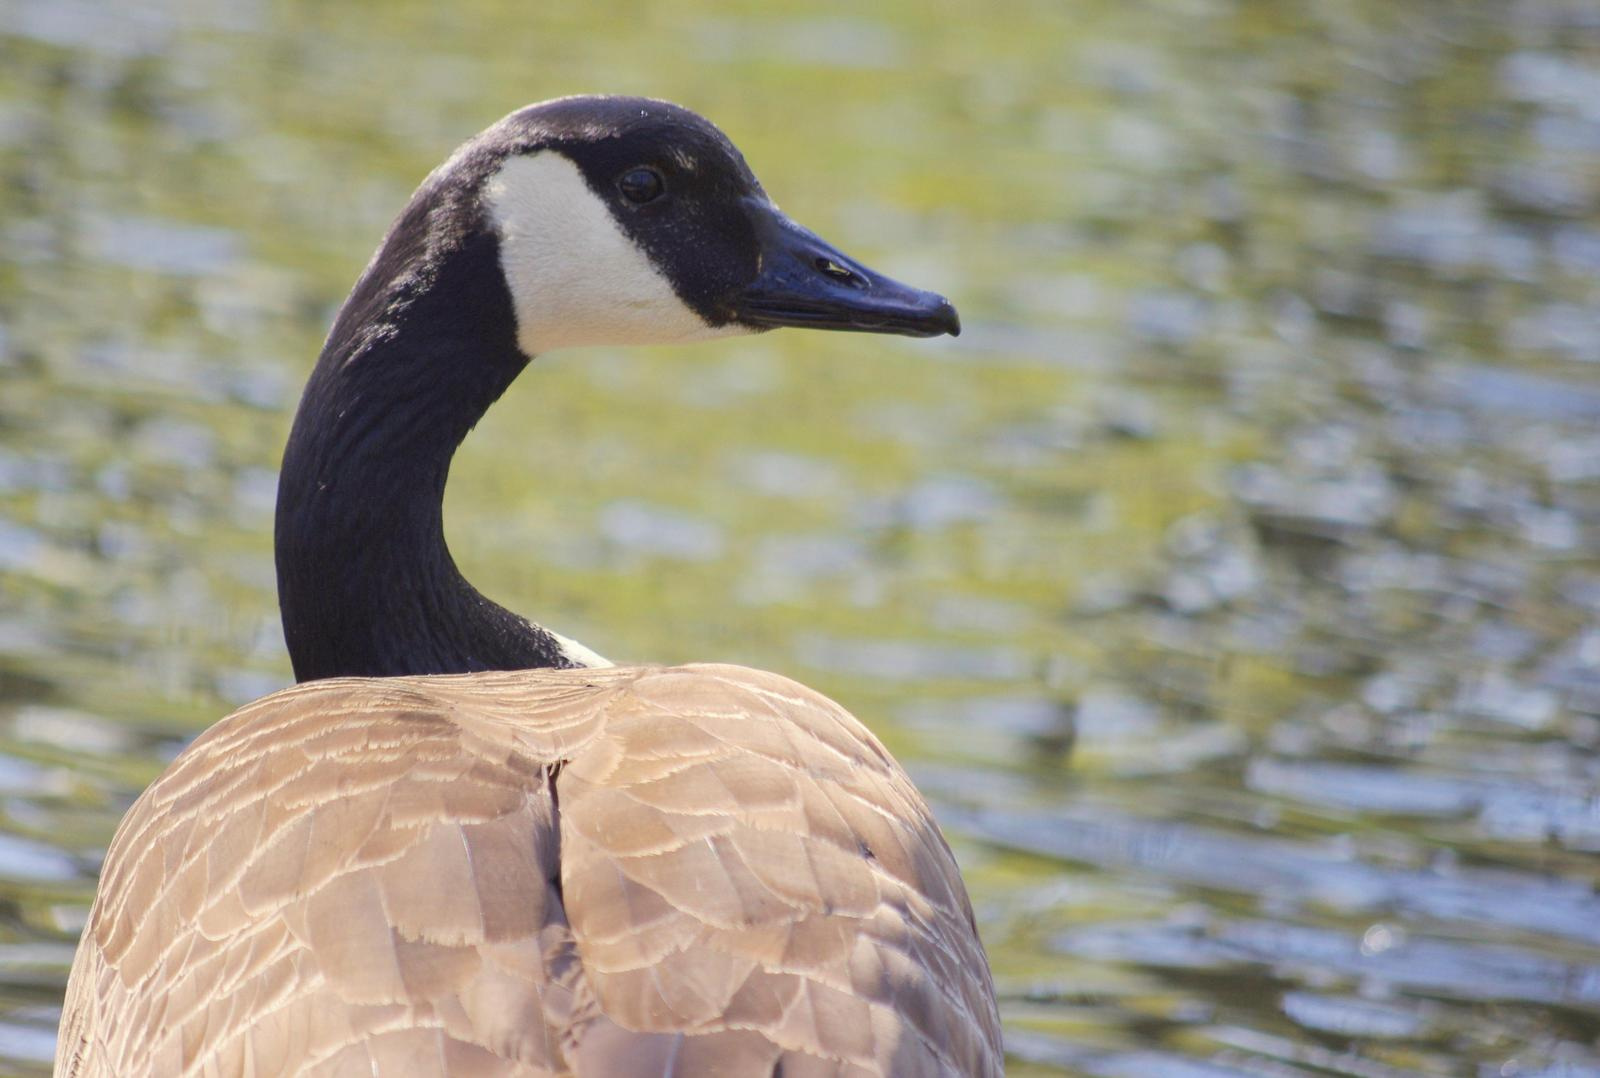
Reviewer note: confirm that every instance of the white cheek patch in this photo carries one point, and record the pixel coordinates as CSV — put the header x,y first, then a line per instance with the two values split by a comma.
x,y
575,276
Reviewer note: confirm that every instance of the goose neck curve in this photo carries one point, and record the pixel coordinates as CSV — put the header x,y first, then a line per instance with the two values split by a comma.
x,y
366,583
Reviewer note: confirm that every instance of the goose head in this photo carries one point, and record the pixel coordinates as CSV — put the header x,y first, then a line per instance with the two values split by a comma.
x,y
627,221
624,220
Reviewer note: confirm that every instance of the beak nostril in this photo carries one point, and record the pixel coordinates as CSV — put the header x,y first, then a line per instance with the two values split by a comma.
x,y
832,269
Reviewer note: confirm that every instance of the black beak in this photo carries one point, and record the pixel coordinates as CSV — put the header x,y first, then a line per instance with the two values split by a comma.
x,y
806,281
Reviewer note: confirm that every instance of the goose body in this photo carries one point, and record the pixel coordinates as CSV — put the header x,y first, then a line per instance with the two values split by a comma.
x,y
465,845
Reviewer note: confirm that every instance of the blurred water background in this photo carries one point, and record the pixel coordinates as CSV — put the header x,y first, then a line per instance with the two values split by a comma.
x,y
1230,586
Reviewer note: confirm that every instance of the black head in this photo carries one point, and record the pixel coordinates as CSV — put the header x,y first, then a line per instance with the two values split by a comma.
x,y
625,220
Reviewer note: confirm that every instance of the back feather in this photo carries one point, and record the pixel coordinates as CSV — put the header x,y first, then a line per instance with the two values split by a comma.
x,y
630,871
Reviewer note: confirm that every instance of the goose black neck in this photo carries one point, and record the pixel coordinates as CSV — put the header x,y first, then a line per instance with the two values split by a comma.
x,y
366,585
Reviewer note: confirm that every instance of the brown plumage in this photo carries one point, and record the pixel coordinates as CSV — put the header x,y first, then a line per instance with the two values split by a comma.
x,y
521,873
466,845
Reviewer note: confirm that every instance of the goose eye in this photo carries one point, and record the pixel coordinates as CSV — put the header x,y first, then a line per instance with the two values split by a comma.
x,y
641,185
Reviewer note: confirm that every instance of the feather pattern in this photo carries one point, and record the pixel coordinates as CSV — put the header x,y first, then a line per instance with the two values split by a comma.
x,y
627,871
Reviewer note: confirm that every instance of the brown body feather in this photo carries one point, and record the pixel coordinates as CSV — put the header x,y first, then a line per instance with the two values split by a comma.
x,y
700,870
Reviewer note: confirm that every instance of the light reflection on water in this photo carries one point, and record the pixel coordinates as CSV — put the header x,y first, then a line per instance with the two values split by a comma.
x,y
1230,585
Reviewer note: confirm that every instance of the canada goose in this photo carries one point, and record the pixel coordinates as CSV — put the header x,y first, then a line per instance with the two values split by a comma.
x,y
466,845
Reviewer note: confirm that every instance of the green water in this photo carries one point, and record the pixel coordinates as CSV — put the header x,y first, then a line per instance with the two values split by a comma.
x,y
1231,585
